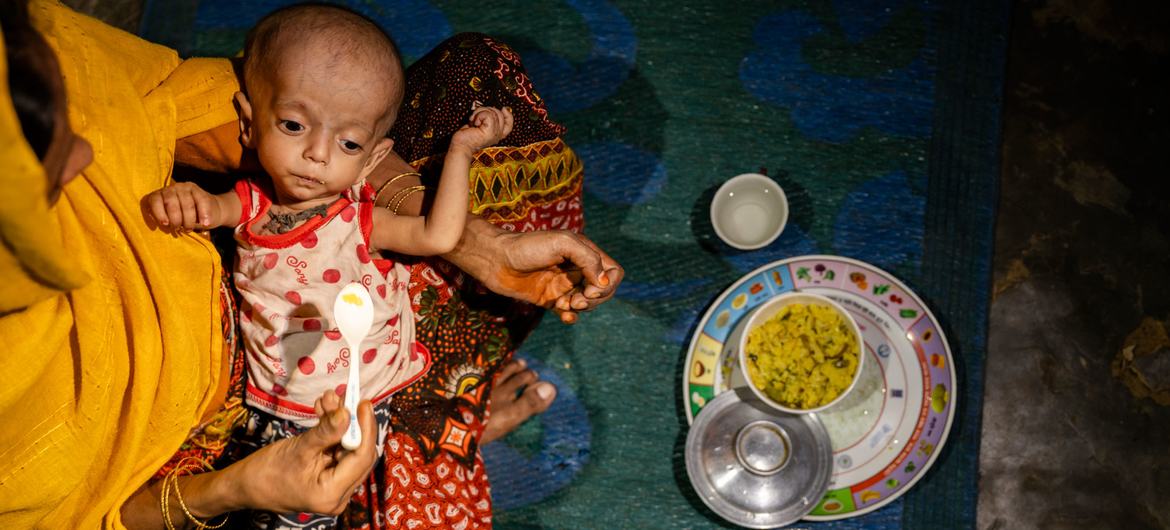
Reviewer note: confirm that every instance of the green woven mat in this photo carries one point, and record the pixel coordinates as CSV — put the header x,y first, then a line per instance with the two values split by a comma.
x,y
879,119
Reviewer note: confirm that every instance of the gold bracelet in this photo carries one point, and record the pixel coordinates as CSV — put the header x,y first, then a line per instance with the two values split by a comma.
x,y
378,194
401,196
171,482
164,505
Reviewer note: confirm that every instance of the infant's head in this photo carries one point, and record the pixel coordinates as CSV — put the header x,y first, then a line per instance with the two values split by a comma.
x,y
323,88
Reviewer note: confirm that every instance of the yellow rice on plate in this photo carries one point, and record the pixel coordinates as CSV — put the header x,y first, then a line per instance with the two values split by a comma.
x,y
802,357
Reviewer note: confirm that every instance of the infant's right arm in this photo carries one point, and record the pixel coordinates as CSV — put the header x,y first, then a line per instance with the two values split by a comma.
x,y
184,206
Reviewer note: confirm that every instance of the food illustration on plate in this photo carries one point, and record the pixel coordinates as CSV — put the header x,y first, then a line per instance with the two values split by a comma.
x,y
939,397
739,301
698,370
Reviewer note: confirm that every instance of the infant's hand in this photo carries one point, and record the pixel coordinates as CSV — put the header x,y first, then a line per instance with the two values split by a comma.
x,y
181,206
487,126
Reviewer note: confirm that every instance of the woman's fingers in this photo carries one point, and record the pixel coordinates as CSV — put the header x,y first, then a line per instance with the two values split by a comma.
x,y
609,279
344,469
600,273
353,466
598,280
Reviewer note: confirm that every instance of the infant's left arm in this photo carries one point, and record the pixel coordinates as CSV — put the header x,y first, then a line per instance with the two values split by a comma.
x,y
439,231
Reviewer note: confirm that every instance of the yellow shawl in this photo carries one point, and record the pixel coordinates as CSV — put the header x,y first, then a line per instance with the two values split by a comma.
x,y
110,343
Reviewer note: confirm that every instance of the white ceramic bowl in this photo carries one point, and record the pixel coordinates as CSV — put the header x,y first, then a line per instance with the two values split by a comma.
x,y
773,306
749,211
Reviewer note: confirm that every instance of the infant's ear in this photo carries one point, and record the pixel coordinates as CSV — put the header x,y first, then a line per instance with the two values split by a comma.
x,y
244,110
381,149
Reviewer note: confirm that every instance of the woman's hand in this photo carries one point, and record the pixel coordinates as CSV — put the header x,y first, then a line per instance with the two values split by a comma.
x,y
305,473
557,269
310,472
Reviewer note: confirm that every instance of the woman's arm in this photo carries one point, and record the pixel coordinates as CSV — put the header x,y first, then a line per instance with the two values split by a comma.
x,y
555,269
305,473
217,150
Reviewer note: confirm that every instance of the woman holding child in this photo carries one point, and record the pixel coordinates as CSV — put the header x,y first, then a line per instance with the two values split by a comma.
x,y
115,375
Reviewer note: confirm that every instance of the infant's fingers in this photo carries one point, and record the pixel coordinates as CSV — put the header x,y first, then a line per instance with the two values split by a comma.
x,y
479,115
157,209
190,210
509,120
203,207
174,207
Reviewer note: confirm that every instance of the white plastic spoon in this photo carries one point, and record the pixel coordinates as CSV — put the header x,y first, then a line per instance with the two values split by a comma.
x,y
354,313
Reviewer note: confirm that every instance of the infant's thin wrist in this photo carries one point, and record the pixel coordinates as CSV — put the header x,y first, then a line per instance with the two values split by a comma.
x,y
460,150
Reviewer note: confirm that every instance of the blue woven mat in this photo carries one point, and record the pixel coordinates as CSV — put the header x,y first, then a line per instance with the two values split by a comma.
x,y
879,119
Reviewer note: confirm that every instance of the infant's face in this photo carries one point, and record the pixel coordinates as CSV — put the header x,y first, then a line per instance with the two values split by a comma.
x,y
314,125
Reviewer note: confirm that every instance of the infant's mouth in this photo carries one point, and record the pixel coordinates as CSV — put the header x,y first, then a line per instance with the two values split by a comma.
x,y
309,179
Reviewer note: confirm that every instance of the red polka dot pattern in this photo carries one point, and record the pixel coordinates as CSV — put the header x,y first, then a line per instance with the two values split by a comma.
x,y
306,365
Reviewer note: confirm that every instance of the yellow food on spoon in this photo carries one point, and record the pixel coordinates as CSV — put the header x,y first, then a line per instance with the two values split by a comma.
x,y
352,299
802,357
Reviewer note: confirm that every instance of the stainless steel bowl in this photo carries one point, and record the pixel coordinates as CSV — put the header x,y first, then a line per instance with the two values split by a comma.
x,y
755,466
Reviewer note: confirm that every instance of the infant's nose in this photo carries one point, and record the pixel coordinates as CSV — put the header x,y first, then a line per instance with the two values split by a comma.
x,y
317,150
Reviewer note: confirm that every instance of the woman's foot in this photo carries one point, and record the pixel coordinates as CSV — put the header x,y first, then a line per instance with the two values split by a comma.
x,y
509,405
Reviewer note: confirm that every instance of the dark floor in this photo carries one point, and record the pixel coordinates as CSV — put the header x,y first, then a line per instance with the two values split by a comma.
x,y
1071,435
1076,425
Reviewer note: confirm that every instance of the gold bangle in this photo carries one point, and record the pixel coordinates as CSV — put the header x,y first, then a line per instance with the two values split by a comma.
x,y
164,505
171,482
403,199
401,196
378,194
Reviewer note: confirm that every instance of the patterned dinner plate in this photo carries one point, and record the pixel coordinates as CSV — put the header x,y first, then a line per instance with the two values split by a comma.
x,y
887,432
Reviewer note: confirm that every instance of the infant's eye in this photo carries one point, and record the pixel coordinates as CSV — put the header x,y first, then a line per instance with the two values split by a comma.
x,y
351,146
291,126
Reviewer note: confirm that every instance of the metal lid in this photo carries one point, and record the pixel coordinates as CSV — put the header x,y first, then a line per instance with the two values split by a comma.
x,y
755,466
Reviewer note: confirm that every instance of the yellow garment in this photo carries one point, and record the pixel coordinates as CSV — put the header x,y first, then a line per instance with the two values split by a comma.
x,y
103,378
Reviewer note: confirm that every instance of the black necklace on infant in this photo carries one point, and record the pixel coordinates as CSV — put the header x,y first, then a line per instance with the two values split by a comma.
x,y
279,223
